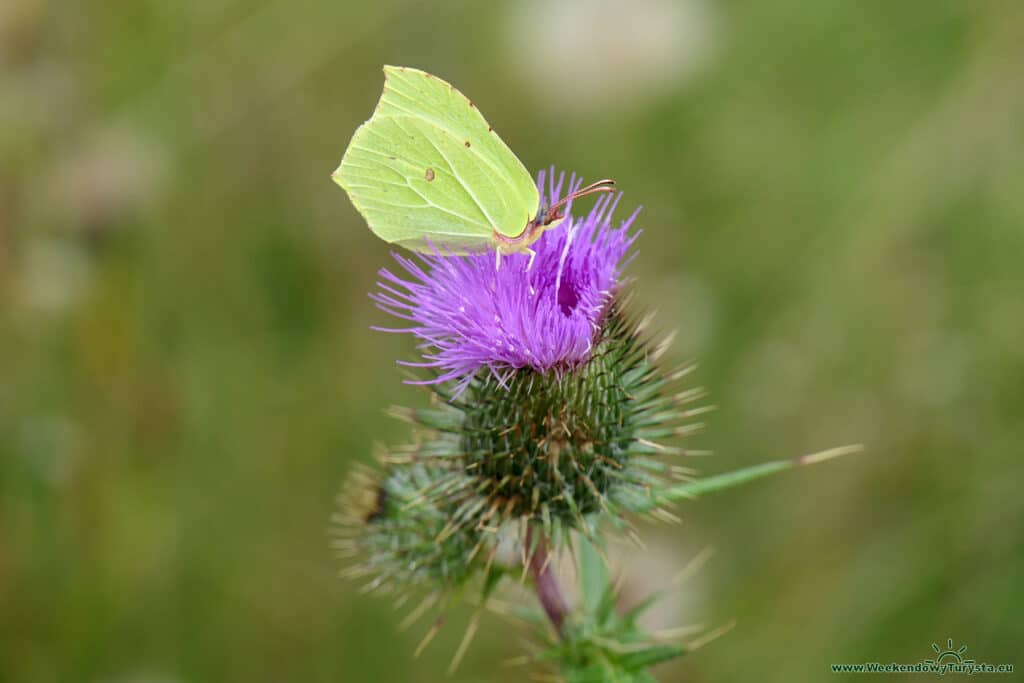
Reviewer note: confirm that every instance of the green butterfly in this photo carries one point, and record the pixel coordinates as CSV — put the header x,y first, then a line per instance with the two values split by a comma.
x,y
428,173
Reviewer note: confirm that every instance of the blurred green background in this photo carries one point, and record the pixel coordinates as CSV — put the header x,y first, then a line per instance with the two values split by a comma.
x,y
833,222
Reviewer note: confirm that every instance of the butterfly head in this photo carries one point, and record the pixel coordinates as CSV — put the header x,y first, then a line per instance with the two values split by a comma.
x,y
547,217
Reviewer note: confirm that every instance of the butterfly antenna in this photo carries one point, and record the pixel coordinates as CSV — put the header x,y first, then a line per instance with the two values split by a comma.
x,y
593,188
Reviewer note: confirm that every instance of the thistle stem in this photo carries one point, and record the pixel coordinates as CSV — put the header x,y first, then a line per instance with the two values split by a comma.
x,y
545,582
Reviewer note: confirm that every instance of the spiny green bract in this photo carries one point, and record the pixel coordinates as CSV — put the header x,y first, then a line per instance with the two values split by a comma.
x,y
564,445
604,646
597,644
404,541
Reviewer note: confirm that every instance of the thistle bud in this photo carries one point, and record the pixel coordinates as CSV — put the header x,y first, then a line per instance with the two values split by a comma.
x,y
399,534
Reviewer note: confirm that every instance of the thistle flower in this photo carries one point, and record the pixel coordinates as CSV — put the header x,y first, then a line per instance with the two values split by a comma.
x,y
549,403
474,312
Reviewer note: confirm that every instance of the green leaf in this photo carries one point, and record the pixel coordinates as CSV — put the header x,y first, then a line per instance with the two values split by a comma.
x,y
648,657
594,580
720,482
634,613
491,581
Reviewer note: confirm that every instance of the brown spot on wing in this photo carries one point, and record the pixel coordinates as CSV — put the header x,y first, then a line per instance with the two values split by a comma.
x,y
429,175
467,143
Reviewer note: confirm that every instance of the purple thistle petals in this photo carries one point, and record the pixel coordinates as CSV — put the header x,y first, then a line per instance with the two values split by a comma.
x,y
467,314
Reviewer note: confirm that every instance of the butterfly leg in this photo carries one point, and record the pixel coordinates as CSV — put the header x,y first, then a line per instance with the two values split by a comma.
x,y
497,260
533,255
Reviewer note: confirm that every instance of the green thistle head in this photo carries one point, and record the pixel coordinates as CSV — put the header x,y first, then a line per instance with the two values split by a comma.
x,y
563,449
402,539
